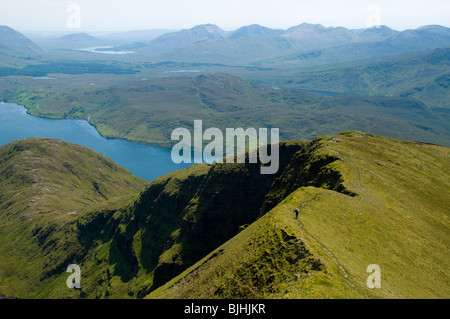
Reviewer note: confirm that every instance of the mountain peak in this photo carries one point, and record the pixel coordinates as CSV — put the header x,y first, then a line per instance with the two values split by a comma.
x,y
206,25
254,31
54,164
316,36
377,33
211,31
174,40
435,29
308,26
16,43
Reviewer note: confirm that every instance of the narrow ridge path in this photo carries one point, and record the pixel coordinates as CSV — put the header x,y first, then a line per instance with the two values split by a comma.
x,y
325,248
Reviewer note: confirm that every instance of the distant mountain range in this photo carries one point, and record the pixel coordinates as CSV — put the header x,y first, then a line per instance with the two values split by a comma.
x,y
302,45
312,42
424,38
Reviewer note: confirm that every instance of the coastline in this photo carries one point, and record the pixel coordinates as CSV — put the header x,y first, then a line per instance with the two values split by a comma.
x,y
109,137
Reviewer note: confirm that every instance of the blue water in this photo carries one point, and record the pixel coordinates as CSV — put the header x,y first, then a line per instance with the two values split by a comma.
x,y
148,162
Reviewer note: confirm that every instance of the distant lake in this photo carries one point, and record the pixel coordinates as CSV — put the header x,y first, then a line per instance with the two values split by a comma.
x,y
105,50
148,162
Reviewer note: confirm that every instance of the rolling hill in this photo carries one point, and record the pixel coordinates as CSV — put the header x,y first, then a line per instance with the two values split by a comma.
x,y
75,41
363,199
45,184
16,50
423,75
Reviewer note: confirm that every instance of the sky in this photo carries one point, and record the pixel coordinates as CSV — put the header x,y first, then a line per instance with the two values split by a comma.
x,y
105,15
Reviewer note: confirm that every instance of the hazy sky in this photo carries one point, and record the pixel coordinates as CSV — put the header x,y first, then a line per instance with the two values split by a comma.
x,y
96,15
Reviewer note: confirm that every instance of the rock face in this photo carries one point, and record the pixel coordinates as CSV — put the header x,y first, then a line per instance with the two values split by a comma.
x,y
185,215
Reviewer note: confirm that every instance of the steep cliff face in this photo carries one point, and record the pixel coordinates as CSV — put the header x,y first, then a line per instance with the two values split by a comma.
x,y
363,200
185,215
140,243
308,167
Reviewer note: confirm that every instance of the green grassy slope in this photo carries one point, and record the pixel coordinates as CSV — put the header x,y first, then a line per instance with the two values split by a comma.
x,y
148,111
45,184
424,76
364,199
15,43
399,219
123,244
16,50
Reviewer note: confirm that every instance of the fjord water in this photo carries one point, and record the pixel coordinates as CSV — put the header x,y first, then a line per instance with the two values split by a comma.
x,y
148,162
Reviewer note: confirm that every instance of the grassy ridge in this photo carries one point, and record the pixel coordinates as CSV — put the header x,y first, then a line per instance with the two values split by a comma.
x,y
272,258
363,199
398,220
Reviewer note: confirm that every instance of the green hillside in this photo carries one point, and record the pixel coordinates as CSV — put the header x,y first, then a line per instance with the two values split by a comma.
x,y
424,76
16,50
118,241
45,184
148,111
16,43
363,199
387,204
